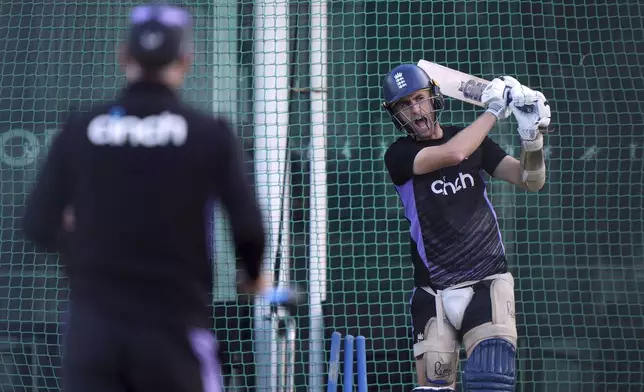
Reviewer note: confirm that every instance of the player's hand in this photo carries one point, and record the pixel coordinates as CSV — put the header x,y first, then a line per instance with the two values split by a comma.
x,y
510,81
532,111
69,220
544,111
281,296
253,287
495,97
523,96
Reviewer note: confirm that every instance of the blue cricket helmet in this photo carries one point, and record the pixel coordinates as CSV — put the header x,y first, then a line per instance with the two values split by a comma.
x,y
404,80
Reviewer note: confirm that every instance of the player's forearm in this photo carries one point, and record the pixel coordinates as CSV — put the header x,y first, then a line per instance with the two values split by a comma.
x,y
533,163
470,138
45,237
494,97
247,227
249,238
461,146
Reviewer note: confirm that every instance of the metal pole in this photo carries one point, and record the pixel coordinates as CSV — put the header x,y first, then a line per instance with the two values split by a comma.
x,y
271,112
318,224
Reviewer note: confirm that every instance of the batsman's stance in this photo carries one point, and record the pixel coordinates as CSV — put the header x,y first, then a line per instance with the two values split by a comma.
x,y
463,290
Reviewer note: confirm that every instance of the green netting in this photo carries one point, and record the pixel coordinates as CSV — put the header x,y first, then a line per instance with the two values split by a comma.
x,y
576,247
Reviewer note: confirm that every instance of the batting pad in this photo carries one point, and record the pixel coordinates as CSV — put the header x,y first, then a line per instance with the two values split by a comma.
x,y
491,367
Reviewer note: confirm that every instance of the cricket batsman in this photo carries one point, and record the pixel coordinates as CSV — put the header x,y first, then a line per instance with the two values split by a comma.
x,y
463,291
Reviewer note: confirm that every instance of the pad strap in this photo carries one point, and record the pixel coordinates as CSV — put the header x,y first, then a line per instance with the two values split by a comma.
x,y
484,331
430,345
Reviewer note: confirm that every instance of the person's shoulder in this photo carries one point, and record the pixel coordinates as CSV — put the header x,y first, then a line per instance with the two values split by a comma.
x,y
86,111
78,118
212,123
217,128
399,159
402,143
451,130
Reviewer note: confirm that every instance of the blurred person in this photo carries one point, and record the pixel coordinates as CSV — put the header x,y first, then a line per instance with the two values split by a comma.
x,y
134,180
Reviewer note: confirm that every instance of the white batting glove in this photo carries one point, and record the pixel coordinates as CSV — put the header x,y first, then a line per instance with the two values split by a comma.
x,y
531,110
495,98
544,111
510,81
521,95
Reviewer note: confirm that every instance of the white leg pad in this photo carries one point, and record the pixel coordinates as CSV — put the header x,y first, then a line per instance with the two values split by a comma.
x,y
503,323
440,353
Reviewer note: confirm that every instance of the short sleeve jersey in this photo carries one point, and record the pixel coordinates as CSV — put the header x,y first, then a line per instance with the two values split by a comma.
x,y
454,231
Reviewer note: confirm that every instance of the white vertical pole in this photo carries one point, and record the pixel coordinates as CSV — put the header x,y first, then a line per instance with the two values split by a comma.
x,y
270,109
286,360
224,97
318,224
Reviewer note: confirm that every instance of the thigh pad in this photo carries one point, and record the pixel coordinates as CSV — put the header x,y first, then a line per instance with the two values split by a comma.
x,y
503,324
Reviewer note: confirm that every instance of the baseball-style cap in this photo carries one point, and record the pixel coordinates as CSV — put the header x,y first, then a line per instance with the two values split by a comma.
x,y
159,34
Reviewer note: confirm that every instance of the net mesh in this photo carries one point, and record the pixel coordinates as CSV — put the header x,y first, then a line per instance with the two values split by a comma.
x,y
575,248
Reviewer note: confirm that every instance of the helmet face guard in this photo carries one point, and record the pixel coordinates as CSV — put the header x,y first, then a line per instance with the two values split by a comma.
x,y
417,117
420,116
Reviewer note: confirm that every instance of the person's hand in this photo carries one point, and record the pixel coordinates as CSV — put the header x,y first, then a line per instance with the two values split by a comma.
x,y
531,110
253,287
495,98
68,219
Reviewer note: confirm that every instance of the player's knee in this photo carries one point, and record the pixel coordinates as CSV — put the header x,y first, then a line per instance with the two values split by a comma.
x,y
491,367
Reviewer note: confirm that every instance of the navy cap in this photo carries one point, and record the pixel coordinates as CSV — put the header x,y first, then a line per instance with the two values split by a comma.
x,y
159,35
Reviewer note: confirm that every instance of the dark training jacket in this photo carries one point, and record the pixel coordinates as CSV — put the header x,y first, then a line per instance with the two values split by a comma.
x,y
142,174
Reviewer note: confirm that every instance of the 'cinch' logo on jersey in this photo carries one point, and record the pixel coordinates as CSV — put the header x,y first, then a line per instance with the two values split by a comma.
x,y
151,131
440,187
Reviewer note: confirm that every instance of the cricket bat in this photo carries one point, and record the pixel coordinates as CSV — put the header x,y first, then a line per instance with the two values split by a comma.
x,y
455,84
459,85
